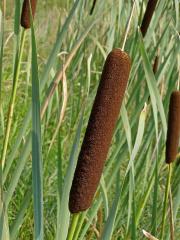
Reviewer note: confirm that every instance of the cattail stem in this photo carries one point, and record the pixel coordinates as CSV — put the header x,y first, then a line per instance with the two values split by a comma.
x,y
80,224
73,226
171,218
12,102
167,191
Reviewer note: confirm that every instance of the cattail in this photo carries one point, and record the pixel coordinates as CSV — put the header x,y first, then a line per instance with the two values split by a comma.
x,y
99,131
155,65
148,15
26,13
93,6
173,133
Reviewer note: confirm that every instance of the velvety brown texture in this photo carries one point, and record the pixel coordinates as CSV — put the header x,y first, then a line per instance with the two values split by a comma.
x,y
100,130
148,15
173,133
25,17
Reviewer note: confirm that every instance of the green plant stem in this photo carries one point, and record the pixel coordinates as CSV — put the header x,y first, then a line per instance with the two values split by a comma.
x,y
168,184
142,203
80,224
12,101
2,118
171,218
73,226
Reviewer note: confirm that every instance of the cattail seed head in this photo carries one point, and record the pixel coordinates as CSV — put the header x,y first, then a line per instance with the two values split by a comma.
x,y
26,13
99,131
173,133
148,15
93,6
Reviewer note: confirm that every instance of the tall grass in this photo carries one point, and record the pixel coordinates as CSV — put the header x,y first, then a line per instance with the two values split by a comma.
x,y
70,44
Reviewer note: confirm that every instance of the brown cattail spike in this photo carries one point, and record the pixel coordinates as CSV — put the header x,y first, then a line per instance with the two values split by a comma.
x,y
173,133
155,65
93,6
26,13
148,15
99,131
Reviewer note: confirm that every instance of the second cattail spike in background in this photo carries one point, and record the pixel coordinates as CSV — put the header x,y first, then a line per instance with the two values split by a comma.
x,y
173,133
26,13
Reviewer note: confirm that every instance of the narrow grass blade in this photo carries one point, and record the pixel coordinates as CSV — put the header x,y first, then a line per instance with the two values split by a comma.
x,y
37,172
109,225
1,51
151,82
18,5
64,217
20,216
155,201
130,168
105,198
127,127
1,69
139,137
4,225
177,14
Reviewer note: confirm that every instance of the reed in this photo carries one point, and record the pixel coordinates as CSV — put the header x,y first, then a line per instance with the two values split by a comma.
x,y
148,16
173,133
99,131
26,13
172,143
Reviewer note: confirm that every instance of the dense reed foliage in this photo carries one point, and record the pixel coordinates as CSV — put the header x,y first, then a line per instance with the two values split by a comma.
x,y
49,76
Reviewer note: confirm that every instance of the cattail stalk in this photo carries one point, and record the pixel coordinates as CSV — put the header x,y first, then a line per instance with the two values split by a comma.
x,y
172,143
99,131
80,224
167,190
28,7
148,16
73,227
171,216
